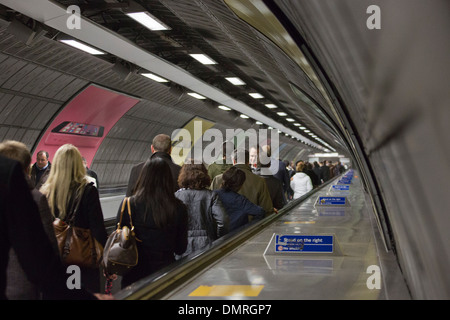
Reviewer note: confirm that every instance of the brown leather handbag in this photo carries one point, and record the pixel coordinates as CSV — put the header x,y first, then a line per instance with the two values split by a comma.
x,y
121,253
76,245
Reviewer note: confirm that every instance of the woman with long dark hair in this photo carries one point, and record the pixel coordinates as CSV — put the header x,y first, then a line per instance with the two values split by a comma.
x,y
159,220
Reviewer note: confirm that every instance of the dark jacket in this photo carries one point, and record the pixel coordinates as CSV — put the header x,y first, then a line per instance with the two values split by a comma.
x,y
254,188
38,182
136,171
158,246
325,173
21,228
208,219
90,214
239,208
19,287
275,187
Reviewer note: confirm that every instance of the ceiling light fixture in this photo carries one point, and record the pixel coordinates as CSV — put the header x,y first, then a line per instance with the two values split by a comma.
x,y
243,116
290,119
154,77
148,21
82,46
271,106
236,81
196,95
282,114
224,108
256,95
202,58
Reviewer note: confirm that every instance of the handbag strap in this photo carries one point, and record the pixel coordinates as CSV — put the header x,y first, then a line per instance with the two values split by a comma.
x,y
75,205
126,202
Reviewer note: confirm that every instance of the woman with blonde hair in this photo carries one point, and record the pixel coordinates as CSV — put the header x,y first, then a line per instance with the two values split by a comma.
x,y
66,185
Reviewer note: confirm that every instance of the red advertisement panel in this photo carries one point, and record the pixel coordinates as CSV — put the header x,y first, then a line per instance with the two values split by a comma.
x,y
85,121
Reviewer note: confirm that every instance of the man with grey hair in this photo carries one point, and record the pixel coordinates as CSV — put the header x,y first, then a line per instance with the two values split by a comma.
x,y
161,148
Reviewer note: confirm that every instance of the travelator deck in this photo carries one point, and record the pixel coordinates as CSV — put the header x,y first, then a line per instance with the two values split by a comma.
x,y
253,265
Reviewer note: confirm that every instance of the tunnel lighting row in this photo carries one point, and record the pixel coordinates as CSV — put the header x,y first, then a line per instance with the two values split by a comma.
x,y
152,23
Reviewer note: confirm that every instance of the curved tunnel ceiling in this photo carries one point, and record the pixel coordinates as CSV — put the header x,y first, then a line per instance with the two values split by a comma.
x,y
277,90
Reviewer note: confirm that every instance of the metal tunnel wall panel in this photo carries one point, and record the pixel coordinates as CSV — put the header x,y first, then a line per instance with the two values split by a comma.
x,y
394,84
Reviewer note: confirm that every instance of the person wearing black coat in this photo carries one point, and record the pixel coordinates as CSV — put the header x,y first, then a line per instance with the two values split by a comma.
x,y
161,148
160,221
66,184
21,228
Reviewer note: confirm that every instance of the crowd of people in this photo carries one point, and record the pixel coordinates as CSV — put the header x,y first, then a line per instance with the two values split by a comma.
x,y
176,210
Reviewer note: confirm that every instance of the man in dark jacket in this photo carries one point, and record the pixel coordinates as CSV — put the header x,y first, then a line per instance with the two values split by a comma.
x,y
275,187
40,170
161,148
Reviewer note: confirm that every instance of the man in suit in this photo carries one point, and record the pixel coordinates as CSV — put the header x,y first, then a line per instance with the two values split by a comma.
x,y
161,148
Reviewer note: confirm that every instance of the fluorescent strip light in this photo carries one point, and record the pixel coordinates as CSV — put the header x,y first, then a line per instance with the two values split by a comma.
x,y
283,114
290,119
196,95
256,95
243,116
82,46
259,122
303,128
224,108
307,130
236,81
148,21
154,77
271,106
203,58
297,124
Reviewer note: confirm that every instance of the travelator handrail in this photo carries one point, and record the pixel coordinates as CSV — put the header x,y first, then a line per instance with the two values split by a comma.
x,y
159,284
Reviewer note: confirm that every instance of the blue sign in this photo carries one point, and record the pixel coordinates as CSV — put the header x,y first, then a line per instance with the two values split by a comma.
x,y
334,201
298,243
341,188
344,181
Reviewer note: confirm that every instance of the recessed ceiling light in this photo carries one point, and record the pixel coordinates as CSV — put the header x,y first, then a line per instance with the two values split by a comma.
x,y
196,95
244,116
236,81
271,106
303,128
283,114
224,108
259,122
82,46
256,95
290,119
202,58
297,124
154,77
148,21
307,130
